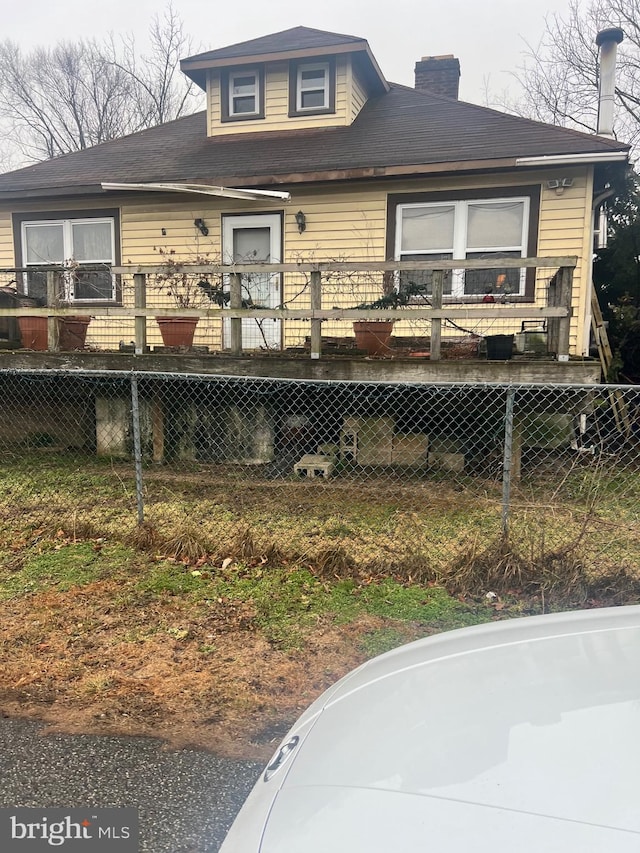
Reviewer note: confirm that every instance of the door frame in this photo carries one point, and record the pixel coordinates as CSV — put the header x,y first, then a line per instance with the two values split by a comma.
x,y
274,220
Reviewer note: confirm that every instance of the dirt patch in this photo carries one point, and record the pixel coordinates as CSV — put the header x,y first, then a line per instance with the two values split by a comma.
x,y
99,659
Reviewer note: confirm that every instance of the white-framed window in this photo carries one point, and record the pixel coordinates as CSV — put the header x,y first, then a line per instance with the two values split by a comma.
x,y
244,93
466,229
312,87
75,243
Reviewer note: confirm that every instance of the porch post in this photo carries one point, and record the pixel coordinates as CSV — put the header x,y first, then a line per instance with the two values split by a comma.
x,y
235,301
564,299
140,301
53,298
316,305
553,323
437,283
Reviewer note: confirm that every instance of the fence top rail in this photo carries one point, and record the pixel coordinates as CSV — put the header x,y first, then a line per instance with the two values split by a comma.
x,y
350,266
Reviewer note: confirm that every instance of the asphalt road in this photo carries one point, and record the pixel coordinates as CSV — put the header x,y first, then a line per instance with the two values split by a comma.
x,y
187,800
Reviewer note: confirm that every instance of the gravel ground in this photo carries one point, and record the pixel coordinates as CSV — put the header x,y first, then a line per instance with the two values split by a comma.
x,y
187,799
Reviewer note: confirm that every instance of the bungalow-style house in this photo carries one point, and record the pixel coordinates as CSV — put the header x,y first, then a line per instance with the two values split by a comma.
x,y
306,153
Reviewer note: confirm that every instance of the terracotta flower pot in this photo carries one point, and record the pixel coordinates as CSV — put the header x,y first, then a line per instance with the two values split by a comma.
x,y
33,333
373,335
72,332
177,331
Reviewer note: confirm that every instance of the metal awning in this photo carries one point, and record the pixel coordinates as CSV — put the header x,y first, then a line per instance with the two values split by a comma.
x,y
202,189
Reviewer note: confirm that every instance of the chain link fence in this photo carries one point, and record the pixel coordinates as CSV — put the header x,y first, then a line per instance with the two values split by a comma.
x,y
422,481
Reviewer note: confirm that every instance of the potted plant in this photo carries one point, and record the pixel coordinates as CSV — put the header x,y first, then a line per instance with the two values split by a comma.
x,y
72,328
373,336
186,290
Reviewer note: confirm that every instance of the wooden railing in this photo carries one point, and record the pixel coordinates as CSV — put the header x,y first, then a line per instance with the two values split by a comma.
x,y
556,312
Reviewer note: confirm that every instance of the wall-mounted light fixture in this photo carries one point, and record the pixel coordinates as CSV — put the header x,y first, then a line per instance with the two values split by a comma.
x,y
301,221
202,228
560,184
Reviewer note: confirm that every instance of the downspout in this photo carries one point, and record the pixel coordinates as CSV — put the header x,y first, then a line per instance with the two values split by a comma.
x,y
598,201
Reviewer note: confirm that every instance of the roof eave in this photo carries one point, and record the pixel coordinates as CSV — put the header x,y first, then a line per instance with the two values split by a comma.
x,y
196,69
344,174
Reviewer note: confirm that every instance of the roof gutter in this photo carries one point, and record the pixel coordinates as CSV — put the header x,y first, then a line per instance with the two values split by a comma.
x,y
202,189
577,159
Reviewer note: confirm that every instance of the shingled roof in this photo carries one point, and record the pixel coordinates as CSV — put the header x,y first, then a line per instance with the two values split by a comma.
x,y
402,132
287,44
302,38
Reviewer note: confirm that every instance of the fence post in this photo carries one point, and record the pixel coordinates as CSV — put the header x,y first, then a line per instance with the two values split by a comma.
x,y
437,283
140,301
137,446
316,305
53,298
507,460
235,301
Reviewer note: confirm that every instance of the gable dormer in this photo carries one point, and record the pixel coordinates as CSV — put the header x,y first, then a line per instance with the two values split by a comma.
x,y
295,79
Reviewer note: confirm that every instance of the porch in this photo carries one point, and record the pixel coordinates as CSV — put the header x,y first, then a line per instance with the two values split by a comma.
x,y
295,320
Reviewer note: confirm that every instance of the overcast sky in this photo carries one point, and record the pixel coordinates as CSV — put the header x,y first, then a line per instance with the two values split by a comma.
x,y
486,37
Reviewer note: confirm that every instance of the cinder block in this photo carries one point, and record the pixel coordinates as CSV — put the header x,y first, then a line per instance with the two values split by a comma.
x,y
314,464
369,441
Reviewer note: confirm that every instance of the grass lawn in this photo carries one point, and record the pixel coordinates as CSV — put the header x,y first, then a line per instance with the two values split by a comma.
x,y
237,602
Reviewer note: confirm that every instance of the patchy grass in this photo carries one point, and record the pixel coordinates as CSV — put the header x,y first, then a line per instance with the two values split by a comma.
x,y
60,566
236,603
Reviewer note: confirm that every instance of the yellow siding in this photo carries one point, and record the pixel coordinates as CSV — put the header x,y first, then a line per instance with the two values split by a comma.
x,y
344,222
358,96
6,241
276,96
565,229
143,242
341,226
349,225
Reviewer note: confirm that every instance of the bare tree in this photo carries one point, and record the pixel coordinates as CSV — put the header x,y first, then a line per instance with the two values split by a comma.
x,y
78,94
559,77
160,91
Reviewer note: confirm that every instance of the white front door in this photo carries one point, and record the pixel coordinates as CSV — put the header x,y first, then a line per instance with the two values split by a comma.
x,y
253,239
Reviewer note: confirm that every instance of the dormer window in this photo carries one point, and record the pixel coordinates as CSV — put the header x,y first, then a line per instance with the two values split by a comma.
x,y
243,95
312,88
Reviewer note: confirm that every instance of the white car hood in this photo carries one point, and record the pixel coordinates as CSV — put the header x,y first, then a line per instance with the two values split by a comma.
x,y
355,820
503,727
523,735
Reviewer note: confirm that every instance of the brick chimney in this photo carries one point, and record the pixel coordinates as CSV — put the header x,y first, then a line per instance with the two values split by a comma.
x,y
438,74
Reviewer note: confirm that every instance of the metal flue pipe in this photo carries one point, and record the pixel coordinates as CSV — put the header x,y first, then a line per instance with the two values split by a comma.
x,y
608,41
